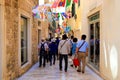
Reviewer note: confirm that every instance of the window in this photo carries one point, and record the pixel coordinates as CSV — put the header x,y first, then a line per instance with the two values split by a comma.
x,y
39,35
24,57
39,23
94,17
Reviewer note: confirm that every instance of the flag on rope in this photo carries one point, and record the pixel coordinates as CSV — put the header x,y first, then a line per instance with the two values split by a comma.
x,y
60,19
36,15
36,9
61,3
68,3
65,15
55,4
76,1
67,29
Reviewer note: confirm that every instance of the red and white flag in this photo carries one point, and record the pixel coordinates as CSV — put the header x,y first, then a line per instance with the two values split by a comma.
x,y
55,4
76,1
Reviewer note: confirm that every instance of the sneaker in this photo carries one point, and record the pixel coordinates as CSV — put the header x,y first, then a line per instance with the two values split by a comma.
x,y
60,69
65,70
78,71
43,65
83,72
71,65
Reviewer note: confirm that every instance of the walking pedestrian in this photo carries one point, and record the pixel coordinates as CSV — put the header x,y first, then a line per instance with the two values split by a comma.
x,y
64,50
53,51
71,43
47,52
57,42
43,49
74,44
82,52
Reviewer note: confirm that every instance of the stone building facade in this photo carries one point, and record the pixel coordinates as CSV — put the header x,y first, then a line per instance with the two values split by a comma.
x,y
17,24
75,21
100,19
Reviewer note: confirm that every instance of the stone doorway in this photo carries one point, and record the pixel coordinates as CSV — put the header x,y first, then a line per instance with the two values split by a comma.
x,y
94,27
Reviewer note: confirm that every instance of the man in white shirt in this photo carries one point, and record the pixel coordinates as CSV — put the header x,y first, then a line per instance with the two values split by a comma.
x,y
64,50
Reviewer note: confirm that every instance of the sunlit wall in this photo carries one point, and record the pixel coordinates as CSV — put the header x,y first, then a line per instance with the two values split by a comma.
x,y
75,24
0,46
110,38
2,39
44,29
109,34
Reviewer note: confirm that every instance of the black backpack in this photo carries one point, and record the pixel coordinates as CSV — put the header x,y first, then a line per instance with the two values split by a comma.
x,y
42,49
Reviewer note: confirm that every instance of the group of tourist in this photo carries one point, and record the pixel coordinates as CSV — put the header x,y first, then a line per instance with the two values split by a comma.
x,y
53,48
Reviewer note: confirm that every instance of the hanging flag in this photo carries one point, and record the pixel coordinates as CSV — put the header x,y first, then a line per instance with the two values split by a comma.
x,y
75,1
68,3
65,15
55,4
49,16
69,14
67,29
36,15
42,15
60,9
60,19
35,9
61,3
73,9
64,24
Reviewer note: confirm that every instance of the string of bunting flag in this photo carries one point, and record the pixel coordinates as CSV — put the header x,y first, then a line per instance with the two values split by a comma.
x,y
59,11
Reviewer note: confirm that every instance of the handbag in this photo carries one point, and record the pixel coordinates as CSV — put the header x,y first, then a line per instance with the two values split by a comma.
x,y
76,61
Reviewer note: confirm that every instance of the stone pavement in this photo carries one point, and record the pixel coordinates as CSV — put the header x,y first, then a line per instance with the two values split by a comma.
x,y
53,73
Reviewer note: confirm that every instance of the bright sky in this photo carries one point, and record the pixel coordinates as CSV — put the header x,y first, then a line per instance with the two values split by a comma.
x,y
41,2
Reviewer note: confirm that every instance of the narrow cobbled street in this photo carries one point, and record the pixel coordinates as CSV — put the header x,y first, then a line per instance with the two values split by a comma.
x,y
53,73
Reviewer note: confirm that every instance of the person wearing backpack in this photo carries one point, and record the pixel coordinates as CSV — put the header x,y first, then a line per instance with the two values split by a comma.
x,y
53,51
43,48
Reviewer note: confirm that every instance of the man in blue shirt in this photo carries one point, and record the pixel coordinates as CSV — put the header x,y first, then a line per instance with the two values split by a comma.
x,y
82,52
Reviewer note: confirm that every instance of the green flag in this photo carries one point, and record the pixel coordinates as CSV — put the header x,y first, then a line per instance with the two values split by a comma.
x,y
60,19
68,3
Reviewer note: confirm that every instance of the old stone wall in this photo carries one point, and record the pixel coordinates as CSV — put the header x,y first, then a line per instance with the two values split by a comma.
x,y
11,19
44,32
34,41
12,7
